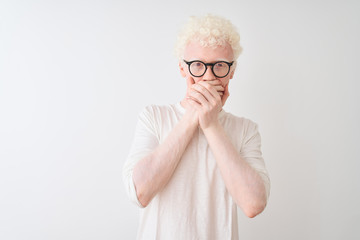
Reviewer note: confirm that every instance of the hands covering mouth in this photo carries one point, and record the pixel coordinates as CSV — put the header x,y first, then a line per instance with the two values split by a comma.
x,y
206,99
206,90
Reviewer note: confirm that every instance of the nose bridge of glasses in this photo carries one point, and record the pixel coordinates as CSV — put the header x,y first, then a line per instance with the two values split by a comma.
x,y
206,72
211,65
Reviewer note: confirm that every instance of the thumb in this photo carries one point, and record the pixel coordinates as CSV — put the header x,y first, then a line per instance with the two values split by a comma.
x,y
189,81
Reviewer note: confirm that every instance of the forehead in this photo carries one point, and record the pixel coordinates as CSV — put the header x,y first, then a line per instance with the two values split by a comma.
x,y
194,51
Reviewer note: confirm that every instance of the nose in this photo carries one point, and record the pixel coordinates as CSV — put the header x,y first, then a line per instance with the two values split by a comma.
x,y
209,75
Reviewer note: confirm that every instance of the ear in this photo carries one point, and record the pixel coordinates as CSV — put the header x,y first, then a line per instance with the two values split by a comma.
x,y
182,70
232,74
233,70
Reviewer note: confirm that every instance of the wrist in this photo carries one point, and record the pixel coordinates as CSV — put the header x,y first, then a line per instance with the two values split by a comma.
x,y
191,117
213,127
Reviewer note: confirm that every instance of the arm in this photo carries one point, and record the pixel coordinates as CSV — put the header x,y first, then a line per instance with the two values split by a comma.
x,y
244,183
153,172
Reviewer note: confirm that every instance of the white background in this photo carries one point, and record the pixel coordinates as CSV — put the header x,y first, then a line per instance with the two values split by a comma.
x,y
75,74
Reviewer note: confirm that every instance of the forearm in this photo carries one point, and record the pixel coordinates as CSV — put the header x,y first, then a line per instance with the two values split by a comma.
x,y
152,173
244,184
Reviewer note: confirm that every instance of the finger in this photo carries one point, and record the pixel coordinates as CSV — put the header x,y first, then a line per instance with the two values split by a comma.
x,y
215,82
198,95
190,81
203,91
211,89
219,88
226,95
194,103
193,99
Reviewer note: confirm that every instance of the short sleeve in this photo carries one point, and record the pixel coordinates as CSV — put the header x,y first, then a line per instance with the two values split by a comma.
x,y
146,139
251,152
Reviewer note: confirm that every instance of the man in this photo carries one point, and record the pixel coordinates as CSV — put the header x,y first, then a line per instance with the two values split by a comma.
x,y
192,163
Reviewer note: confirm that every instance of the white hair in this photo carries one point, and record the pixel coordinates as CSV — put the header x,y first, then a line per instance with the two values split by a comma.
x,y
209,31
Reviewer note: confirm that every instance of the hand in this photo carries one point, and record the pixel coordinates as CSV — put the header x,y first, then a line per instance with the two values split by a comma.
x,y
207,97
226,94
191,112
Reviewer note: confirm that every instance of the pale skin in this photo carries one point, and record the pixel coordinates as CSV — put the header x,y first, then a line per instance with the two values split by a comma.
x,y
204,99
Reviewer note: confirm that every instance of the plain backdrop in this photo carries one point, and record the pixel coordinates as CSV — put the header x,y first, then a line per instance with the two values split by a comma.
x,y
75,74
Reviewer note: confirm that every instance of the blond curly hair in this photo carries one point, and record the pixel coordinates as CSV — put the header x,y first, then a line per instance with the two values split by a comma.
x,y
209,31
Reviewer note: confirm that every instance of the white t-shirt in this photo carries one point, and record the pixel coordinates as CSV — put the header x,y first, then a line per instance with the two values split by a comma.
x,y
195,203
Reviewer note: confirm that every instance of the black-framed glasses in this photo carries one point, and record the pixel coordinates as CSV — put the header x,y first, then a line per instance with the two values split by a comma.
x,y
198,68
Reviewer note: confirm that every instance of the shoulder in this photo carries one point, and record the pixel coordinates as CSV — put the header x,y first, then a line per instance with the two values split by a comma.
x,y
240,122
243,130
156,111
153,109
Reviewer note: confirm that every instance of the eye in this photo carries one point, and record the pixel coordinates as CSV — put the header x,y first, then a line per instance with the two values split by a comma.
x,y
197,64
221,65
